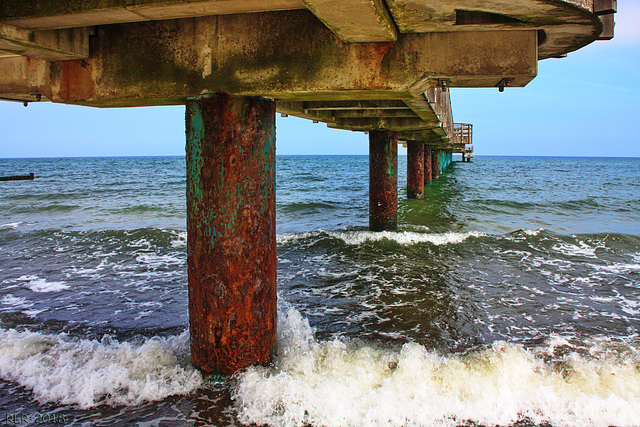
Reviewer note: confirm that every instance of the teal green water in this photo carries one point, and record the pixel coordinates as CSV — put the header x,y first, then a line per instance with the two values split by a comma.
x,y
516,276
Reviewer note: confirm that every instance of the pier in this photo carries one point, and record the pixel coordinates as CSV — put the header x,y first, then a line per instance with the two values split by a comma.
x,y
29,177
383,67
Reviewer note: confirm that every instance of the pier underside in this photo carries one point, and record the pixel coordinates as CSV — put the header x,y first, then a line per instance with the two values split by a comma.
x,y
377,66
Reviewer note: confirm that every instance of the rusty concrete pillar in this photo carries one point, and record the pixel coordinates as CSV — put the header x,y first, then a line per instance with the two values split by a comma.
x,y
383,180
415,169
435,167
231,240
427,164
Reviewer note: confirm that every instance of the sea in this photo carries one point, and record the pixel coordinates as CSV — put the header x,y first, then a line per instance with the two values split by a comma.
x,y
508,296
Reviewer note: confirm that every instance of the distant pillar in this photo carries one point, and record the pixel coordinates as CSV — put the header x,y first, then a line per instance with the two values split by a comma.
x,y
383,180
231,240
415,169
427,164
435,167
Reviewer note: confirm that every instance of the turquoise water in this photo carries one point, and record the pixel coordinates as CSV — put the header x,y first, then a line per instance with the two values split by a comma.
x,y
508,296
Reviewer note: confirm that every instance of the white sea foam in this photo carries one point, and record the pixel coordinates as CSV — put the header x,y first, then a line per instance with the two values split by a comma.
x,y
405,238
618,268
581,249
11,225
153,260
14,302
37,284
335,383
88,373
180,241
532,232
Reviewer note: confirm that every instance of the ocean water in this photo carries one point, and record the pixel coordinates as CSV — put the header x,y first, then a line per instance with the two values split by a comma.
x,y
509,296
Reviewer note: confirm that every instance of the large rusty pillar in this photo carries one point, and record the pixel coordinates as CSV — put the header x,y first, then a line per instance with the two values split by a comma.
x,y
383,180
231,243
415,169
427,164
435,167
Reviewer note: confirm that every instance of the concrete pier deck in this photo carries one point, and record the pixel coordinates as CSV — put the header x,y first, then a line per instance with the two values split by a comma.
x,y
353,64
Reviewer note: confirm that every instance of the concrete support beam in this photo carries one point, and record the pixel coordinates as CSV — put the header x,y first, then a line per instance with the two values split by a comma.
x,y
24,78
566,25
603,7
287,55
70,14
356,21
383,180
608,25
50,45
231,243
427,164
415,169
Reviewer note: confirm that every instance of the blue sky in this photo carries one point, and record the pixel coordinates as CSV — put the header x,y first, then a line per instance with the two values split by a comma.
x,y
587,104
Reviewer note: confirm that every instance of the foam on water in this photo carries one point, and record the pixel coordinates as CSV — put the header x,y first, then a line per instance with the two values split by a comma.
x,y
180,240
88,373
11,225
580,249
37,284
12,302
405,238
337,383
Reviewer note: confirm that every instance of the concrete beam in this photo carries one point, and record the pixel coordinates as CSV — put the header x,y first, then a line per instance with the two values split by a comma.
x,y
281,55
604,7
24,79
373,113
50,45
395,124
45,14
357,105
357,20
567,25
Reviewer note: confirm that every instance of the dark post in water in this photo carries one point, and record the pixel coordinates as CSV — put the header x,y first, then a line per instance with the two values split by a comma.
x,y
383,180
231,243
415,169
427,164
435,167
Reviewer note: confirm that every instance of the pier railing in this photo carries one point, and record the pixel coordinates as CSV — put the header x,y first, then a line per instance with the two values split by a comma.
x,y
463,139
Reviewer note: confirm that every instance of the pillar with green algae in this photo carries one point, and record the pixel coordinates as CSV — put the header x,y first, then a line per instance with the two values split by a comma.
x,y
231,240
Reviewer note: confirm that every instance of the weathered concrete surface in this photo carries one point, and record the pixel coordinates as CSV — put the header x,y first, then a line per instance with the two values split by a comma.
x,y
415,169
23,78
149,57
231,240
356,20
46,14
288,56
51,45
383,180
285,56
567,25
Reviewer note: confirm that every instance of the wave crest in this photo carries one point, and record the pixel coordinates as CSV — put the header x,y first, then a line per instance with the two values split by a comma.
x,y
355,238
89,373
335,383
